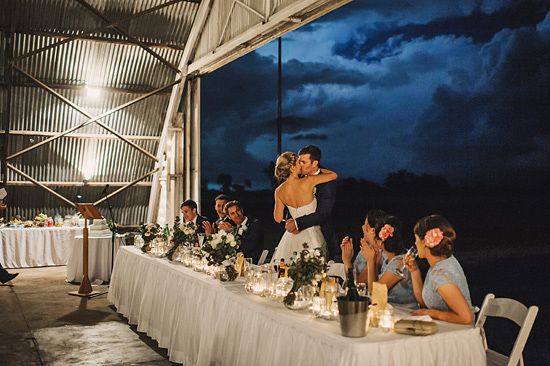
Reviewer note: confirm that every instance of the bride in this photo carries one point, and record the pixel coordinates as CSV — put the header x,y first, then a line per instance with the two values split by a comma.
x,y
298,194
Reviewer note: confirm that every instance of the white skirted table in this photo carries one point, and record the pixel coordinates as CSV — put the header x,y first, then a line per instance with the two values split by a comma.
x,y
99,260
202,321
36,247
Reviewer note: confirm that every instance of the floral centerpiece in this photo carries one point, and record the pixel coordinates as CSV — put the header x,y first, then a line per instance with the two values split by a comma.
x,y
16,220
148,233
40,219
184,233
222,248
307,269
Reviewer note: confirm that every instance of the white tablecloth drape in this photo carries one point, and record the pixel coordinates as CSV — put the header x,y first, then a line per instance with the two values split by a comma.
x,y
202,321
36,247
99,258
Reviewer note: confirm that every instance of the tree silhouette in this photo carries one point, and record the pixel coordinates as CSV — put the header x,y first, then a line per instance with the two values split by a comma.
x,y
225,181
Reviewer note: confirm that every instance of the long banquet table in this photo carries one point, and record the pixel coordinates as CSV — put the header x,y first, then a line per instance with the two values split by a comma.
x,y
36,247
202,321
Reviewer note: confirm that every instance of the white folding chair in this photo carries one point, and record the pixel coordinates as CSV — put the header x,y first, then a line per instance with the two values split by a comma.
x,y
263,257
519,314
337,270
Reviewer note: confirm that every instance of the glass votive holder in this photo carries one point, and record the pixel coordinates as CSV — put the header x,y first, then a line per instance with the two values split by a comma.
x,y
317,305
386,321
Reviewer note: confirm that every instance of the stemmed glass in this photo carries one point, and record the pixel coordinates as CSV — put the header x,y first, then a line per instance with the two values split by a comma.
x,y
411,252
200,237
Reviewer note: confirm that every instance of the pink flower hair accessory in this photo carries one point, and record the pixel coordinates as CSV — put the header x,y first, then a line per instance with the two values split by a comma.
x,y
433,237
386,231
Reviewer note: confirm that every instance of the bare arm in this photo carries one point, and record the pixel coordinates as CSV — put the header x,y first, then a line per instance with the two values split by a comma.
x,y
416,278
460,312
326,176
279,210
389,279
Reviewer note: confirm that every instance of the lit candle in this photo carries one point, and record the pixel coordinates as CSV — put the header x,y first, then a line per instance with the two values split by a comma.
x,y
386,321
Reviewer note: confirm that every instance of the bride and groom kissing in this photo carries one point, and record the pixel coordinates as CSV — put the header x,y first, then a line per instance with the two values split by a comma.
x,y
308,192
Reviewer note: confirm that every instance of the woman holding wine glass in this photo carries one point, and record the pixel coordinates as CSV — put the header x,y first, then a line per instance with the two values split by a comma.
x,y
399,284
444,295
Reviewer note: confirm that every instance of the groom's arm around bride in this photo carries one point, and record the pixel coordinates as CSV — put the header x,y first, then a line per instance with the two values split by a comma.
x,y
326,197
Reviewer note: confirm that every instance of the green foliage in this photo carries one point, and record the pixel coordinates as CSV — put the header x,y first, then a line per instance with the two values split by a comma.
x,y
307,269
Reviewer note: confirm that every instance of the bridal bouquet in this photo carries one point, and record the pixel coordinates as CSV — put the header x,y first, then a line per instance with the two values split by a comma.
x,y
307,270
148,233
184,233
222,248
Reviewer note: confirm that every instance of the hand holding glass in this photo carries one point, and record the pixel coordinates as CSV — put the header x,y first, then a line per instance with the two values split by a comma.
x,y
411,253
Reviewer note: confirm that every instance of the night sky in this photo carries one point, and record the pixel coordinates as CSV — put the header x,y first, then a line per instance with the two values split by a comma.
x,y
454,88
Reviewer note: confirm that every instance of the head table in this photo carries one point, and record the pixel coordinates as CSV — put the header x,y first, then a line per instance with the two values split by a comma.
x,y
202,321
36,246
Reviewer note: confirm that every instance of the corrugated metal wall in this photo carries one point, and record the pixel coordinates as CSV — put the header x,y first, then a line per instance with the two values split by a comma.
x,y
120,70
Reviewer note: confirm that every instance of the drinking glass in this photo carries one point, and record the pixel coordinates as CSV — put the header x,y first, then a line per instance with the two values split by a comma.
x,y
411,252
200,237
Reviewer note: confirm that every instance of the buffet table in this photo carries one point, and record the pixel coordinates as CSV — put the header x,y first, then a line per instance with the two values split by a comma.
x,y
202,321
99,257
36,247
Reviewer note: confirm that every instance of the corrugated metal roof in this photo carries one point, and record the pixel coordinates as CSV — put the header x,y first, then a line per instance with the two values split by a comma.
x,y
119,70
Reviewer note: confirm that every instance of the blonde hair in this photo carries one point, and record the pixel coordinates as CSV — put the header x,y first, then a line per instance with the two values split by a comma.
x,y
284,162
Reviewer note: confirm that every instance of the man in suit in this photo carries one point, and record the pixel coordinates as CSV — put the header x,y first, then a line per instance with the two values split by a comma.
x,y
219,205
189,213
250,229
310,158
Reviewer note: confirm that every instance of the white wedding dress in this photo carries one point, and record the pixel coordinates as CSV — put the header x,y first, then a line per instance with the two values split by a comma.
x,y
291,243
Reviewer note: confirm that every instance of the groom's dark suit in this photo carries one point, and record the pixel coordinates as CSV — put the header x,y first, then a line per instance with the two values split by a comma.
x,y
252,241
326,197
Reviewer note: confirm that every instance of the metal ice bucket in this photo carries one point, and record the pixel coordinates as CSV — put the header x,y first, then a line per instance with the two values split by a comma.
x,y
353,316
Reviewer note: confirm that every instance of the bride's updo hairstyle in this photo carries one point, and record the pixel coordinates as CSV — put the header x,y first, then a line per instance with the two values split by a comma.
x,y
285,161
443,227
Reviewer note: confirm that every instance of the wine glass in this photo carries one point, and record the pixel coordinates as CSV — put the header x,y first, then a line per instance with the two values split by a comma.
x,y
411,252
200,237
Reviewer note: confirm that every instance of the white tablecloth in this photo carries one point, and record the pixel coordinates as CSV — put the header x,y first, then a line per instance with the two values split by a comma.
x,y
36,247
99,258
202,321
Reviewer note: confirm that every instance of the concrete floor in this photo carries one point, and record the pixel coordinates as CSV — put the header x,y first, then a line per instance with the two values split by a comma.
x,y
41,325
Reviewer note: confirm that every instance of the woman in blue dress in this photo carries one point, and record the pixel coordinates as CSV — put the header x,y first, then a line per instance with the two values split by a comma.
x,y
400,288
444,295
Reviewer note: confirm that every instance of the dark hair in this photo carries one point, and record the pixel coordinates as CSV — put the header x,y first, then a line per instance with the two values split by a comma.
x,y
190,204
230,204
313,151
222,197
374,216
446,246
394,243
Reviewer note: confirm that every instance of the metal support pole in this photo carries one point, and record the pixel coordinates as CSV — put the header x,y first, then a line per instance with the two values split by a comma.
x,y
8,72
196,142
280,98
187,140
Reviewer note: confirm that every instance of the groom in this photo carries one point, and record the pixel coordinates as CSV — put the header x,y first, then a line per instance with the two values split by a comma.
x,y
310,157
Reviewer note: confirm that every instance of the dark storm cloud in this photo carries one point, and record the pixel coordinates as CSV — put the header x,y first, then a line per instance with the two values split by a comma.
x,y
309,136
478,25
499,125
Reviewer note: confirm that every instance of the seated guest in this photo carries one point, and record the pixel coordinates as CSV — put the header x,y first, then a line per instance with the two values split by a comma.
x,y
219,203
5,276
400,289
189,212
250,229
360,263
444,295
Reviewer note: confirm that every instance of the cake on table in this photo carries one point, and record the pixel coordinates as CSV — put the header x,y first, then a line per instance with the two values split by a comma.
x,y
99,227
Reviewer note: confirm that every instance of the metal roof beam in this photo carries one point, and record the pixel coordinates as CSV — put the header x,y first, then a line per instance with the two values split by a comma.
x,y
82,86
96,136
92,118
99,29
24,183
126,34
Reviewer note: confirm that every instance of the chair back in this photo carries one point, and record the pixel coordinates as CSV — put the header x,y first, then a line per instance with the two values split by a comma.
x,y
515,311
263,257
